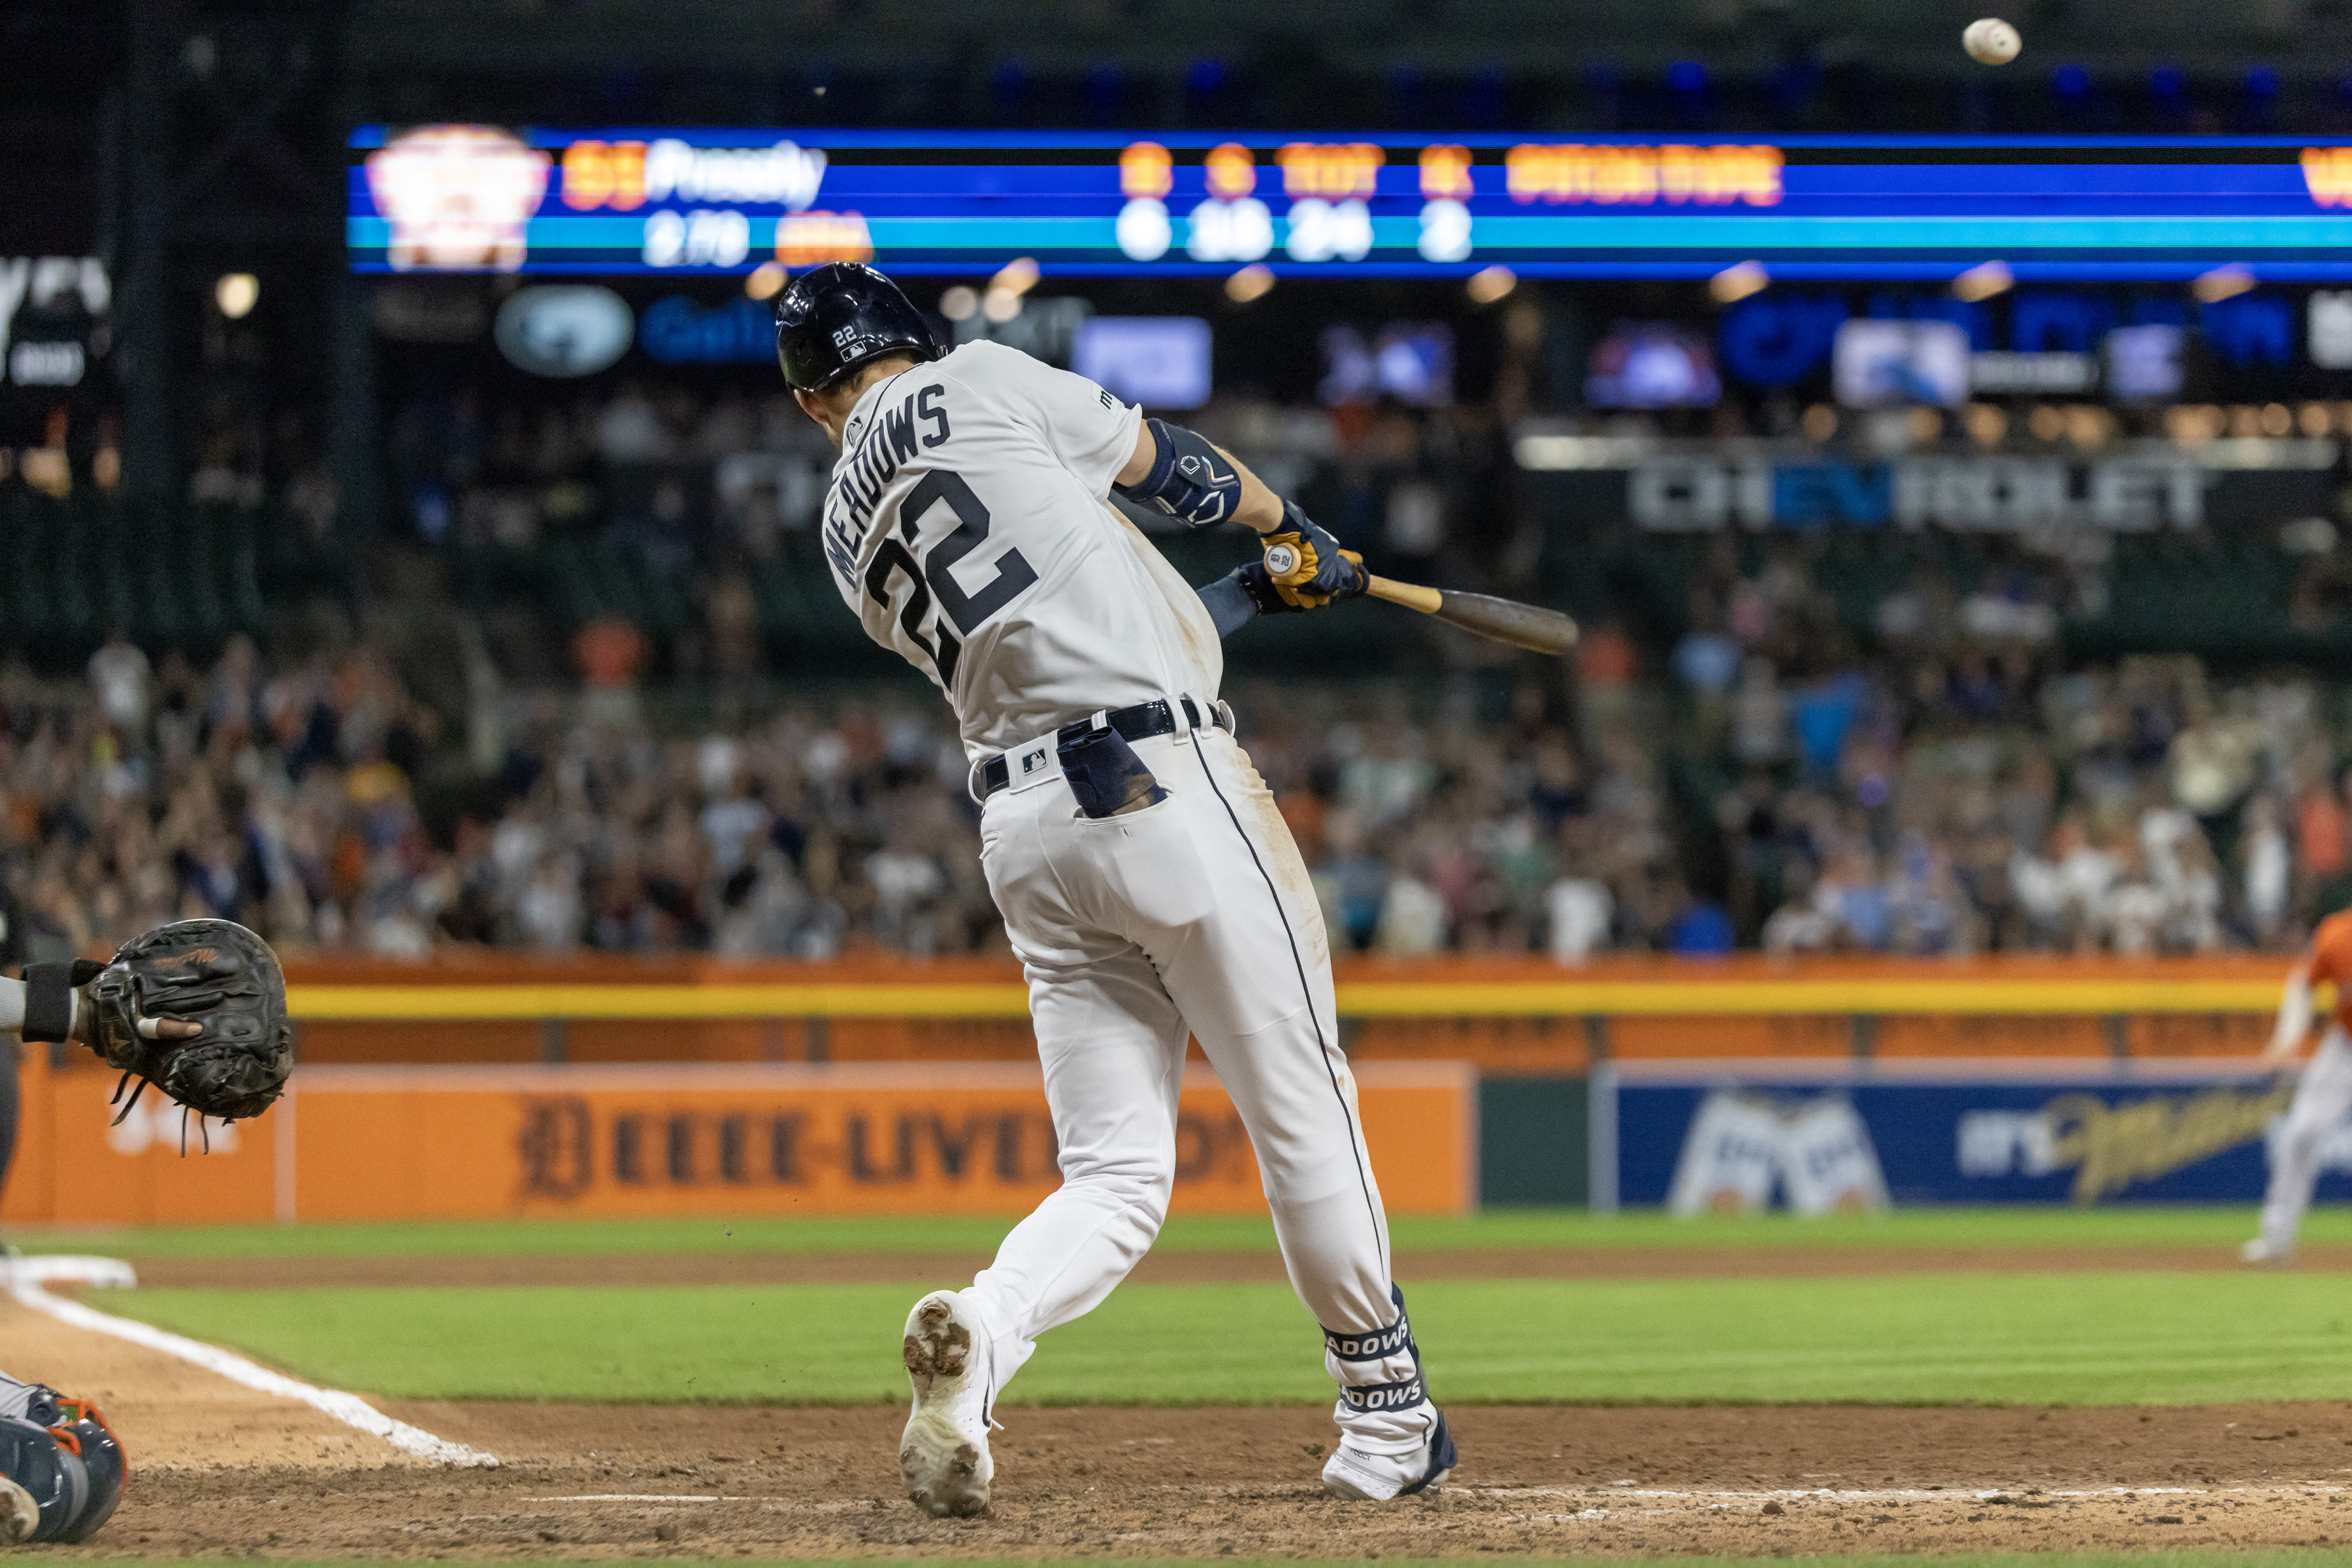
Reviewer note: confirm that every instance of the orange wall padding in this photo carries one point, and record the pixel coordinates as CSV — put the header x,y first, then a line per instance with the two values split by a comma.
x,y
424,1143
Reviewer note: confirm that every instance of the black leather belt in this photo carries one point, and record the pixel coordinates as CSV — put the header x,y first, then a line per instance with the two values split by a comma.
x,y
1140,722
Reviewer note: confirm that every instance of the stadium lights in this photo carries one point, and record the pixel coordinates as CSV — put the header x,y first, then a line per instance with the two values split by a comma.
x,y
2221,283
766,280
1490,284
960,303
1014,279
1250,283
1983,280
1017,276
237,293
1737,281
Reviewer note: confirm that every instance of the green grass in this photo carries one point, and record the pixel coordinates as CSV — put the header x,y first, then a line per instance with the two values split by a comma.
x,y
2074,1339
2054,1225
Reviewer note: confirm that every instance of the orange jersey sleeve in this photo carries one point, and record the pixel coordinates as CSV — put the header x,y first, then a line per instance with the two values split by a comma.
x,y
2331,961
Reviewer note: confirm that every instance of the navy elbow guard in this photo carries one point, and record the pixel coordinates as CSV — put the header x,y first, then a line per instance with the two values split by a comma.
x,y
1190,479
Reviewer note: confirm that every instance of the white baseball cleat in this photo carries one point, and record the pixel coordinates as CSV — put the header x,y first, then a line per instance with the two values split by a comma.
x,y
944,1453
2263,1255
1359,1477
19,1515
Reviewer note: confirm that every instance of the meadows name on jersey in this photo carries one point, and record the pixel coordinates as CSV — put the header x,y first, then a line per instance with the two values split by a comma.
x,y
968,524
860,475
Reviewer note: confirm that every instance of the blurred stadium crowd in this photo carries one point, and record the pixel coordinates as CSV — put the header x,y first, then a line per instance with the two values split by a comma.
x,y
1943,804
604,696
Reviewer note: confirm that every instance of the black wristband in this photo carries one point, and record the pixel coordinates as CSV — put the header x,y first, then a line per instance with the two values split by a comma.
x,y
48,1001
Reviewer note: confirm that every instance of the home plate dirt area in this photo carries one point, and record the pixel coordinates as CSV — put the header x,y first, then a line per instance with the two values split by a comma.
x,y
222,1469
598,1481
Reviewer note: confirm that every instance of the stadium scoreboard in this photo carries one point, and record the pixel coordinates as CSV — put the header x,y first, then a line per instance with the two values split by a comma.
x,y
685,202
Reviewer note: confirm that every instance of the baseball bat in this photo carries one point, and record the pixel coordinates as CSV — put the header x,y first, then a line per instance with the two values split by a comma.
x,y
1530,627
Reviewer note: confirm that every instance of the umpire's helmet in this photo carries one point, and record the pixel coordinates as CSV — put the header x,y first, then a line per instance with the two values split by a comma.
x,y
830,320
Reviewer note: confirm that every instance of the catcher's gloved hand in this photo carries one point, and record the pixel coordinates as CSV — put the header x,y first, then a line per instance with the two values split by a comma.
x,y
1307,567
216,975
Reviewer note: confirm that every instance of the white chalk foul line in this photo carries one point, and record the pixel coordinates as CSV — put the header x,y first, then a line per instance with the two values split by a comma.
x,y
26,1276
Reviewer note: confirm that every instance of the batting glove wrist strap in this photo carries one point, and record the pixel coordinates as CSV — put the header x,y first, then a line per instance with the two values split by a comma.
x,y
50,998
1190,479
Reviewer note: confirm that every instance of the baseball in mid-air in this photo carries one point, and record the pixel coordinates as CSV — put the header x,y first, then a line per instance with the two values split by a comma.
x,y
1991,41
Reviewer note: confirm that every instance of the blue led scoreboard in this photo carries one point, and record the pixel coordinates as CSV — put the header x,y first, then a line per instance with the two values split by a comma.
x,y
686,201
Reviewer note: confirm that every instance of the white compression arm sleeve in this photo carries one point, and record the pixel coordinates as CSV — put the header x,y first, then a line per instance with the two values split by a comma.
x,y
2294,1014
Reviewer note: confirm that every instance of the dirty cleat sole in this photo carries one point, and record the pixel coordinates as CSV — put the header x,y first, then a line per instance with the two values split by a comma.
x,y
943,1455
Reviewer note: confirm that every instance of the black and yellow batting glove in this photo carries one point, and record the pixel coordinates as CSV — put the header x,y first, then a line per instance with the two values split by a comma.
x,y
1305,565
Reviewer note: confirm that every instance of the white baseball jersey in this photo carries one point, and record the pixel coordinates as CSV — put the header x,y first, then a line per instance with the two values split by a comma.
x,y
967,526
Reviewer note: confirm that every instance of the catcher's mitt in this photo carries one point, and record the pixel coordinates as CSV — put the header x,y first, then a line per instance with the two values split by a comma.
x,y
208,971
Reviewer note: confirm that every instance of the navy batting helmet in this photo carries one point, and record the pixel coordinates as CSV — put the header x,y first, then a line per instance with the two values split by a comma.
x,y
830,320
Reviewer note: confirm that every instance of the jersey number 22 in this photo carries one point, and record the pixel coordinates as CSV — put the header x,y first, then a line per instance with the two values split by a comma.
x,y
931,573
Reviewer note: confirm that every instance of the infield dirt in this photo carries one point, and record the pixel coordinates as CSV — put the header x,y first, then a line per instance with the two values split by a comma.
x,y
605,1481
223,1470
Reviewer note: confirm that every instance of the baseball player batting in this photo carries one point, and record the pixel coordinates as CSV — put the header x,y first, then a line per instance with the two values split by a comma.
x,y
1149,885
197,1009
2321,1096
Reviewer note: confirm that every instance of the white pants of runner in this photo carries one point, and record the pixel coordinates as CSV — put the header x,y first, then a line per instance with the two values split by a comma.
x,y
1193,916
2322,1099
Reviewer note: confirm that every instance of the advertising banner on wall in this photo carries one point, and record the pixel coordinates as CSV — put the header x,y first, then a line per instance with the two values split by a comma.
x,y
1731,1137
2139,487
452,1142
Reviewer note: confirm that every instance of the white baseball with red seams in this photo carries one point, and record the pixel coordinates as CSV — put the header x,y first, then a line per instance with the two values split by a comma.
x,y
967,525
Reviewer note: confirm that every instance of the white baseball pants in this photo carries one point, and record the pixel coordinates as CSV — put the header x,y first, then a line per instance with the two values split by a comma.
x,y
1192,915
2322,1099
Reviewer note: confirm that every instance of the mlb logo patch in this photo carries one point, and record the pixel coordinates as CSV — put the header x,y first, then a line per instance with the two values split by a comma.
x,y
1033,766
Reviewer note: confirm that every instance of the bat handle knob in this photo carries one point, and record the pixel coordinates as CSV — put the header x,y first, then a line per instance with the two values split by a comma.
x,y
1281,560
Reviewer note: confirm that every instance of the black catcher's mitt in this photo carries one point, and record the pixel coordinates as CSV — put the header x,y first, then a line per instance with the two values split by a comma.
x,y
209,972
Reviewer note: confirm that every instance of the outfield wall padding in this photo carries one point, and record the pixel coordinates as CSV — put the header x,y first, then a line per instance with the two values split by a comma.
x,y
1532,1142
373,1144
1730,1136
